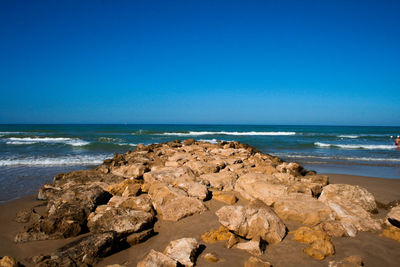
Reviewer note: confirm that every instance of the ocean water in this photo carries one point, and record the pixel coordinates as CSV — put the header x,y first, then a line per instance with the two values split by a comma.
x,y
32,154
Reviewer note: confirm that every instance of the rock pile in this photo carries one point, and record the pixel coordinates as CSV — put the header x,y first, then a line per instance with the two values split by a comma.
x,y
117,204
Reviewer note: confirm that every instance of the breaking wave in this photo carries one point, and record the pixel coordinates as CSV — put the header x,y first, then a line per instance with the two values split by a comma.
x,y
227,133
55,161
372,147
51,140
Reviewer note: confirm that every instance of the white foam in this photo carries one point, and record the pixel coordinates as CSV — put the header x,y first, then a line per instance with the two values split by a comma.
x,y
54,140
212,141
357,146
229,133
339,158
348,136
127,144
55,161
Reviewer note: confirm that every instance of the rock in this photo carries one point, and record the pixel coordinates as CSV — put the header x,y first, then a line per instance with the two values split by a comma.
x,y
142,202
118,189
291,168
189,142
194,189
172,204
256,262
352,214
211,257
259,186
135,170
253,247
155,258
8,261
303,208
351,261
202,167
139,237
227,197
320,249
82,252
169,175
392,233
253,222
221,180
353,193
182,250
132,190
27,215
321,245
85,177
322,180
393,217
233,240
216,235
338,229
123,221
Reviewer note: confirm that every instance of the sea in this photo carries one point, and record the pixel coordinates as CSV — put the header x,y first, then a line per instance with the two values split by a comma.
x,y
31,155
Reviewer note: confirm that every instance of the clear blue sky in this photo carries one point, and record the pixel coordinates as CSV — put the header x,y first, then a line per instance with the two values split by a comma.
x,y
245,62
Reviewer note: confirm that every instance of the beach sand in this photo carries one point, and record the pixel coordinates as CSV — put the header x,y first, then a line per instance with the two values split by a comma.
x,y
373,249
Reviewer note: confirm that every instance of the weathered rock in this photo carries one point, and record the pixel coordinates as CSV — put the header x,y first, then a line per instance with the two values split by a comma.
x,y
338,229
142,202
182,250
194,189
8,261
322,180
303,208
352,193
392,233
308,235
351,261
256,262
134,170
254,247
216,235
169,175
155,258
118,189
393,217
85,177
85,251
227,197
27,215
202,167
123,221
224,180
233,240
292,168
253,222
132,190
320,249
352,214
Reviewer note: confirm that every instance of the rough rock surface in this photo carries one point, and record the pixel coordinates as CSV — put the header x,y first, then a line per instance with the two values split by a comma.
x,y
354,193
155,258
182,250
351,261
393,217
253,222
256,262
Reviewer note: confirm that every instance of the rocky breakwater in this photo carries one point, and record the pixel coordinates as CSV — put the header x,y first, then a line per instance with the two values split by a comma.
x,y
116,205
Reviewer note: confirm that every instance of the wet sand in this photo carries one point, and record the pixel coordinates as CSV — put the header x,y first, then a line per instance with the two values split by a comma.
x,y
374,250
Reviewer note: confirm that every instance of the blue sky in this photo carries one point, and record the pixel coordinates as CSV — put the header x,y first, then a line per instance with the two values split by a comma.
x,y
244,62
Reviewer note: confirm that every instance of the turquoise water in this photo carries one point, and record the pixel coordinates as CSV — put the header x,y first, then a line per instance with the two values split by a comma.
x,y
32,154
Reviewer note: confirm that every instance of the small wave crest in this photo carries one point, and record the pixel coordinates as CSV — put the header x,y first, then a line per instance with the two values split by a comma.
x,y
55,161
348,136
192,133
51,140
356,146
339,158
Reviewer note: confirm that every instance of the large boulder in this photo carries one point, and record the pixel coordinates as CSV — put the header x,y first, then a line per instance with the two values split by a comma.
x,y
253,222
260,186
352,193
123,221
303,209
224,180
169,175
202,167
134,170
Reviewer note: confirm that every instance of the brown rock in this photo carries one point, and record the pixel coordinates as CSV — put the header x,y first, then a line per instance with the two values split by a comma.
x,y
169,175
253,222
256,262
8,261
338,229
189,142
352,193
142,202
139,237
393,216
155,258
216,235
392,233
134,170
227,197
202,167
320,249
233,240
221,180
131,190
118,189
253,247
211,257
351,261
182,250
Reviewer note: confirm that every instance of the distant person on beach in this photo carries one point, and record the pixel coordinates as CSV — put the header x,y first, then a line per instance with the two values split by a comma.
x,y
397,141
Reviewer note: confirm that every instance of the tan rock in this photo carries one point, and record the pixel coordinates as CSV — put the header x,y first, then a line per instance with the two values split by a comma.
x,y
338,229
130,170
155,258
392,233
253,222
142,202
233,240
213,236
139,237
352,193
308,235
256,262
227,197
8,261
259,186
211,257
320,249
253,247
182,250
194,189
393,217
169,175
118,189
202,167
303,208
221,180
131,190
322,180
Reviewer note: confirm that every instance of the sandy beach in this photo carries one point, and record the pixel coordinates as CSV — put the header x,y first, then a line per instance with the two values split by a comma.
x,y
373,249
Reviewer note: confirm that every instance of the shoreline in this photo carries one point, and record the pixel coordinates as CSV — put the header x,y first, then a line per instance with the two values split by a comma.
x,y
373,249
